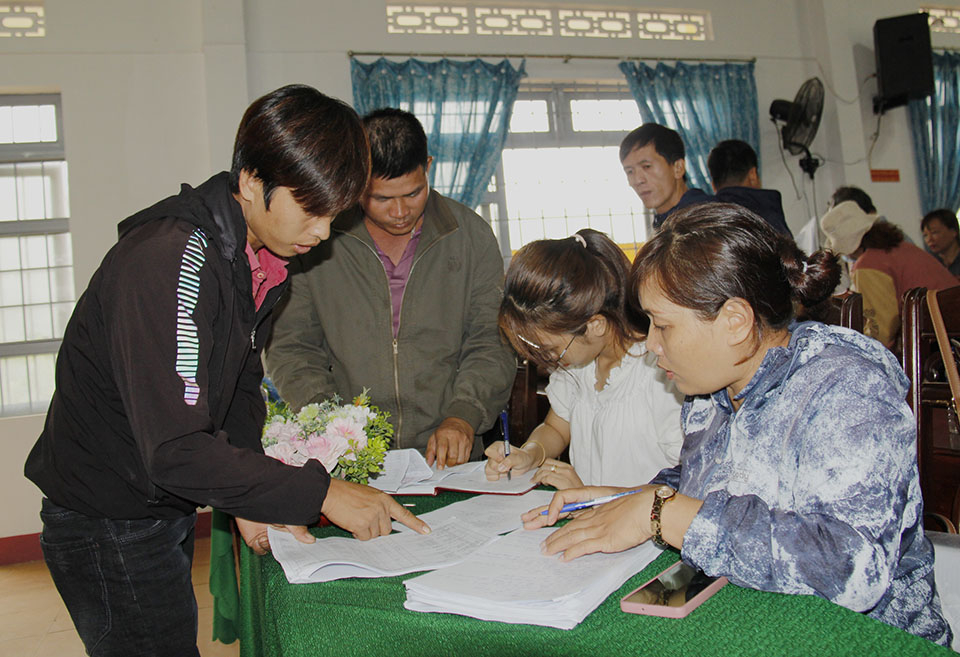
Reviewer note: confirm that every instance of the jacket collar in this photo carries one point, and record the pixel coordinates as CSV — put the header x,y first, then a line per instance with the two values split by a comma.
x,y
438,222
210,206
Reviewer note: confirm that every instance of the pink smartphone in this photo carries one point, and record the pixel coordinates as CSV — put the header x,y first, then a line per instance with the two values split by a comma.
x,y
674,593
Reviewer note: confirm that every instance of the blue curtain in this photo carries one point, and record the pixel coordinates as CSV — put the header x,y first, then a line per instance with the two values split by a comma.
x,y
465,108
935,126
705,103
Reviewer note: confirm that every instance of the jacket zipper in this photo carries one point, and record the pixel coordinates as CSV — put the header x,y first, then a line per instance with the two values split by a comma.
x,y
396,345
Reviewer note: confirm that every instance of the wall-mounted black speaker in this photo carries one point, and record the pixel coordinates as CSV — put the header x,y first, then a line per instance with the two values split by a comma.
x,y
904,60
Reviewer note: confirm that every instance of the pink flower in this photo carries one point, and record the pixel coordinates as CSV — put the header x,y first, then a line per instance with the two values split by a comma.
x,y
326,449
282,430
349,430
285,452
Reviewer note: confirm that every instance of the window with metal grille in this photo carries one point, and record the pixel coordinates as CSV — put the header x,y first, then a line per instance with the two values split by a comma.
x,y
560,170
36,260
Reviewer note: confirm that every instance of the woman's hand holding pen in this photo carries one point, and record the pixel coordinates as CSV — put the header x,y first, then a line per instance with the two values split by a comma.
x,y
611,527
497,466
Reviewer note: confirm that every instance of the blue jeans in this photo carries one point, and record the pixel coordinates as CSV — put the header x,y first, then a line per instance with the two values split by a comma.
x,y
126,583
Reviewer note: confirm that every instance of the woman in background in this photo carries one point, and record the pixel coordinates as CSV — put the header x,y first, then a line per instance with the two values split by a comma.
x,y
942,237
885,266
798,472
565,309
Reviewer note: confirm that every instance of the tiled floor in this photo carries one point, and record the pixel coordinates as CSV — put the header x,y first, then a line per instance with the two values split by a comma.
x,y
34,622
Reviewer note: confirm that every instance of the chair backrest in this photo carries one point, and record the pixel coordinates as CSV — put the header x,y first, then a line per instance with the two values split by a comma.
x,y
938,443
851,311
845,310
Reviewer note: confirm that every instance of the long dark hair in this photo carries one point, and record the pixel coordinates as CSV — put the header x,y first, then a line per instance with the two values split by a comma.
x,y
556,286
882,235
706,254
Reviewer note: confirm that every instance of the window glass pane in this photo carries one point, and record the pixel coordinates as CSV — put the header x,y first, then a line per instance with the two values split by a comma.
x,y
11,324
59,250
11,291
48,123
604,115
530,116
553,192
61,284
61,315
55,190
14,390
33,251
26,124
6,124
36,286
40,371
39,322
9,253
8,193
30,192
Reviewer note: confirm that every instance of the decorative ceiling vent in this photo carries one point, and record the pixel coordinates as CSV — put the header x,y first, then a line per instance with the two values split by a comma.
x,y
537,20
943,19
22,20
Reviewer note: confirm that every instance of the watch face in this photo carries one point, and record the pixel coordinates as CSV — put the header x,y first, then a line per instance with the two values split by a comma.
x,y
665,492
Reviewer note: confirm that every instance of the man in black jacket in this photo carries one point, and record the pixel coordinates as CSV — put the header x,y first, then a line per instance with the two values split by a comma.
x,y
733,172
158,407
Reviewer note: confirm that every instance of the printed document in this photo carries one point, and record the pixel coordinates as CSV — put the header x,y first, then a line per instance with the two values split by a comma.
x,y
405,472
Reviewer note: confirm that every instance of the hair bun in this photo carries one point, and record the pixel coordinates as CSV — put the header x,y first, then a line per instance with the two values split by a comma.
x,y
812,278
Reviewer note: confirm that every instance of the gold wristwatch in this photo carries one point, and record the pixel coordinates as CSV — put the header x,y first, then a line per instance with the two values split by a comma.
x,y
660,497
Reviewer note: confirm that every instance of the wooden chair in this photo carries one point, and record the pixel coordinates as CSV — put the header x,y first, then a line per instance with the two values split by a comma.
x,y
845,310
528,404
938,448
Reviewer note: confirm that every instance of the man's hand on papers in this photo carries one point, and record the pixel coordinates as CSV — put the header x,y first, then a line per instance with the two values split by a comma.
x,y
450,443
611,527
366,512
255,534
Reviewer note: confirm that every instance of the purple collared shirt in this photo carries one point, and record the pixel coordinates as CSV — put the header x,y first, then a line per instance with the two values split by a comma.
x,y
398,274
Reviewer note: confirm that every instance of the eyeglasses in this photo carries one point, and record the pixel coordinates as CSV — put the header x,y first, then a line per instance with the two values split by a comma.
x,y
547,359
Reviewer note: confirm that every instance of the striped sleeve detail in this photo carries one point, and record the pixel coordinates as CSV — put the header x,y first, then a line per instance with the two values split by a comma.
x,y
188,291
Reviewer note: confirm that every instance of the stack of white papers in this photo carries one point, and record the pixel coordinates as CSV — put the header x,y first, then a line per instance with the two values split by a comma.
x,y
509,580
386,556
457,531
405,472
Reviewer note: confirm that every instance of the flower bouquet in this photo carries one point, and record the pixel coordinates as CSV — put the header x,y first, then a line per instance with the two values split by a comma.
x,y
350,440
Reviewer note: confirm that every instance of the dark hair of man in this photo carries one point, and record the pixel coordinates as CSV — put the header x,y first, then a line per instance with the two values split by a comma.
x,y
666,142
398,144
882,235
706,254
855,194
946,217
730,161
557,286
299,138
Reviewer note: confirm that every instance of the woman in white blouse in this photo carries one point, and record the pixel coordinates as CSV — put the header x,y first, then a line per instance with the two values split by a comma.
x,y
565,309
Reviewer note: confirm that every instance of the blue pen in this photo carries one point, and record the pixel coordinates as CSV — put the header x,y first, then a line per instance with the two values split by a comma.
x,y
576,506
506,437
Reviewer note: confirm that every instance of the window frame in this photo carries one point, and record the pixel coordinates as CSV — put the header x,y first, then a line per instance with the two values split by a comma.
x,y
558,96
32,153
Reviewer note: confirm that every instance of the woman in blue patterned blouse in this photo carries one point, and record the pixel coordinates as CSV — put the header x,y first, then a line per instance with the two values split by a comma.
x,y
798,472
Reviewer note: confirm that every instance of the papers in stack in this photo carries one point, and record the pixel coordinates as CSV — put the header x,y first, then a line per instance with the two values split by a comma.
x,y
386,556
405,472
509,580
457,530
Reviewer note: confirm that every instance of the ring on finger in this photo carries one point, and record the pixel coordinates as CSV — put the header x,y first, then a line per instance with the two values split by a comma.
x,y
553,468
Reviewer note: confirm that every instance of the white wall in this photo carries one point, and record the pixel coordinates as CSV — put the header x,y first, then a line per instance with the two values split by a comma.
x,y
152,93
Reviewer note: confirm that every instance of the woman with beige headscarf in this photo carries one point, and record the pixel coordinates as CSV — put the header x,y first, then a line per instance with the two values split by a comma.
x,y
885,266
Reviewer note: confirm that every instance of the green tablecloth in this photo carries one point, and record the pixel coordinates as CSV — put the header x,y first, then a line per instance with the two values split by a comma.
x,y
366,617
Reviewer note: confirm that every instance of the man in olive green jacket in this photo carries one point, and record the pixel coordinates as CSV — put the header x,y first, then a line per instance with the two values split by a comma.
x,y
402,300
